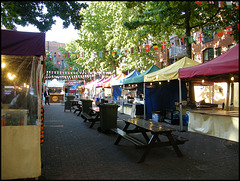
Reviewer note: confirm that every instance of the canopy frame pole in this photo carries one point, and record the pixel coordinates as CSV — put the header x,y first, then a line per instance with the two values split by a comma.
x,y
144,94
227,102
232,97
180,105
123,87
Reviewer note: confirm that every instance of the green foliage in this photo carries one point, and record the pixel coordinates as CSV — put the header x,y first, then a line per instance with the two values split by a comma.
x,y
103,30
71,59
40,13
161,19
49,64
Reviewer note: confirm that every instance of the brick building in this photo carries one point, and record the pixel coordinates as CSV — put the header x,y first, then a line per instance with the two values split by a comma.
x,y
203,51
57,57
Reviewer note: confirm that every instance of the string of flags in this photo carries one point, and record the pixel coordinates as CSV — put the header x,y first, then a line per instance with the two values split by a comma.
x,y
220,3
65,75
154,47
146,48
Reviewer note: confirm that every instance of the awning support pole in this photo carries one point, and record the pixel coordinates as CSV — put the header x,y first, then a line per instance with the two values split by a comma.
x,y
180,105
144,92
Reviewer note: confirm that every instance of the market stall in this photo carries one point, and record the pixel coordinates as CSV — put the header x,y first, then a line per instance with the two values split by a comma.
x,y
118,85
116,91
56,91
219,123
107,88
162,87
22,53
91,87
137,84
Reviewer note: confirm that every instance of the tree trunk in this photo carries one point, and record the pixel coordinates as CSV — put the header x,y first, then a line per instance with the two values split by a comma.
x,y
188,30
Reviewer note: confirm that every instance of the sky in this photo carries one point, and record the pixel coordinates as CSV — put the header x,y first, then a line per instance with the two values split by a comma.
x,y
57,32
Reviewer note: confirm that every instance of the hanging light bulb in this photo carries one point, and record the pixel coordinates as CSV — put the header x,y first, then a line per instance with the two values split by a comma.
x,y
3,65
232,78
203,81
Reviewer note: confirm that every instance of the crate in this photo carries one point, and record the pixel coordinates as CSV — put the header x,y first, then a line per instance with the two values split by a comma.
x,y
157,116
185,120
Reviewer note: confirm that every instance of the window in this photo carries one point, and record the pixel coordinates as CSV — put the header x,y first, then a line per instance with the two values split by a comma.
x,y
163,64
217,52
230,46
208,54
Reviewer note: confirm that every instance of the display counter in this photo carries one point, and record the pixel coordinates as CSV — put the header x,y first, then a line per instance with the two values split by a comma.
x,y
220,123
56,97
132,109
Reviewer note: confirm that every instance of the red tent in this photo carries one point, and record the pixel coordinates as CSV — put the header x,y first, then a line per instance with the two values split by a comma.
x,y
224,65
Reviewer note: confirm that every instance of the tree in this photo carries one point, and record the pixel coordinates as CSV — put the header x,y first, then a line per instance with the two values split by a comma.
x,y
103,30
71,59
41,13
162,18
49,64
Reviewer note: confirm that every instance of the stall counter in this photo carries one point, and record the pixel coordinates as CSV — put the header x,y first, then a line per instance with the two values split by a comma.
x,y
219,123
55,98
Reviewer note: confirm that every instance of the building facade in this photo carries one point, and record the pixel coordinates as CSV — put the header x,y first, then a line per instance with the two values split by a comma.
x,y
203,50
57,57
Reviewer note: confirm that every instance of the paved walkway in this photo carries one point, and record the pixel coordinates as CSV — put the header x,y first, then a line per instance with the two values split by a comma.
x,y
73,151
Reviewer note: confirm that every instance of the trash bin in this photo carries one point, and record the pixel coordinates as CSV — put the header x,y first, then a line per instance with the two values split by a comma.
x,y
70,98
67,103
108,117
86,103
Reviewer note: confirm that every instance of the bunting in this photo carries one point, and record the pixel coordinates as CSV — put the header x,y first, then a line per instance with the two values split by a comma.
x,y
200,37
163,45
182,41
132,50
155,47
229,29
146,48
219,33
125,51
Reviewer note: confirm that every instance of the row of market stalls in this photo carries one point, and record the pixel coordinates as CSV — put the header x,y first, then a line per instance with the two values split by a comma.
x,y
173,88
60,89
22,69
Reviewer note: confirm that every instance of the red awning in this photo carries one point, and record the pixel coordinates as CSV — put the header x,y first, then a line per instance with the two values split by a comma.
x,y
224,64
22,43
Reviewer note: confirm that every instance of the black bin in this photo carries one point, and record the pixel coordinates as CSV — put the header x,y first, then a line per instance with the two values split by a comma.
x,y
86,104
108,117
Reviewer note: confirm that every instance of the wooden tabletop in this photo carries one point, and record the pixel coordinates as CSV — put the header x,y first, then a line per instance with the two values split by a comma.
x,y
150,125
217,112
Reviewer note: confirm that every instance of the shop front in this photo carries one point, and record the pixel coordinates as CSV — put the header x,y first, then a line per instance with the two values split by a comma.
x,y
23,56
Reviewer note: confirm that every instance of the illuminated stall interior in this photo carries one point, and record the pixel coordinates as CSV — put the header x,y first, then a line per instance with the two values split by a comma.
x,y
22,70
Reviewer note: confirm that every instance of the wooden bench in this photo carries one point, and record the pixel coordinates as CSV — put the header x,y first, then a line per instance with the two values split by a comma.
x,y
91,117
133,140
156,129
79,108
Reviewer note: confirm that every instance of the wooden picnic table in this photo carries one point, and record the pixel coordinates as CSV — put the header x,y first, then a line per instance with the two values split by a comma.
x,y
73,103
156,129
92,116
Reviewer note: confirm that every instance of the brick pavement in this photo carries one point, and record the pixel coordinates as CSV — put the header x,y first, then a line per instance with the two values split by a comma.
x,y
73,151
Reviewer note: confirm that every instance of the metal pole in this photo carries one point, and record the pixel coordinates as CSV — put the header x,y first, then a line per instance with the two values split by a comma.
x,y
180,105
123,97
232,97
144,94
227,103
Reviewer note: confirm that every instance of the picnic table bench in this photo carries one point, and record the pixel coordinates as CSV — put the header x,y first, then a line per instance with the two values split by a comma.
x,y
156,129
78,108
92,116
